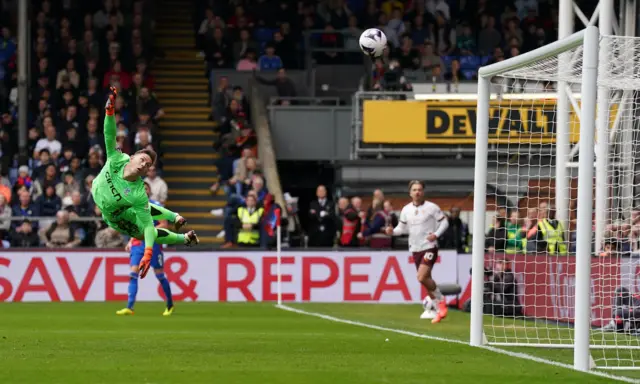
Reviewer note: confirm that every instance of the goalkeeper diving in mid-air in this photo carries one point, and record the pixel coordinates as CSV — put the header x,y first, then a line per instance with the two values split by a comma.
x,y
120,194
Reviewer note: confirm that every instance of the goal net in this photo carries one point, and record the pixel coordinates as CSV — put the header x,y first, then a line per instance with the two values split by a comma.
x,y
534,240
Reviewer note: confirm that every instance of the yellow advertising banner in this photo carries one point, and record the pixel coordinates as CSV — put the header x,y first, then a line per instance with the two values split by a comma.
x,y
454,122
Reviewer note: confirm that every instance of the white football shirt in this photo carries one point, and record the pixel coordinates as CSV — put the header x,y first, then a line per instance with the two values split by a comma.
x,y
419,222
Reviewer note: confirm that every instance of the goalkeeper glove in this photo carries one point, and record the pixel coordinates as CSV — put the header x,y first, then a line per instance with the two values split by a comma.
x,y
111,101
145,263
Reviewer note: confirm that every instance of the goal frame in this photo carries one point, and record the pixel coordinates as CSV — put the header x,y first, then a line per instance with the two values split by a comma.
x,y
589,39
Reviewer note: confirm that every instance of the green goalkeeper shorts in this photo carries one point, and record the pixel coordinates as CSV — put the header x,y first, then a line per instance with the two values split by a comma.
x,y
127,222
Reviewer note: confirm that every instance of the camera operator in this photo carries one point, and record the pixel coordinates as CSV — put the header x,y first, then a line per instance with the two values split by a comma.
x,y
501,290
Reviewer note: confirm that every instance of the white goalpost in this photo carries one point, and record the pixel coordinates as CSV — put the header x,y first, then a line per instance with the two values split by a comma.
x,y
574,267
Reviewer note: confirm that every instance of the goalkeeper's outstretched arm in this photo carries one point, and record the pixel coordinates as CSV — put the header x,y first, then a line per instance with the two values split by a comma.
x,y
110,124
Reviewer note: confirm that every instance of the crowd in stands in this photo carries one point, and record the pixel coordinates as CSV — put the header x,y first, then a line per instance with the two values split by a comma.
x,y
446,40
251,214
78,49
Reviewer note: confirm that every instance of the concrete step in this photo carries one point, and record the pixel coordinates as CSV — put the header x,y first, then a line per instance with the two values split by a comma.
x,y
162,32
201,87
191,156
194,79
173,26
190,168
201,116
209,173
193,192
179,73
189,132
201,150
186,109
205,227
185,123
195,179
169,100
192,184
181,64
188,161
199,205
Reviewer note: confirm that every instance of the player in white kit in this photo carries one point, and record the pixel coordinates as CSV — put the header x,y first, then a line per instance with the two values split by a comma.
x,y
424,222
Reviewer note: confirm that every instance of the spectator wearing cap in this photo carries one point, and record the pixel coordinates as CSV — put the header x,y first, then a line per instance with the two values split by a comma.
x,y
23,236
24,180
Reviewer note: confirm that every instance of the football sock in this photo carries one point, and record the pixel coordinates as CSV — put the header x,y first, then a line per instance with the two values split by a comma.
x,y
437,294
161,213
166,288
133,289
168,237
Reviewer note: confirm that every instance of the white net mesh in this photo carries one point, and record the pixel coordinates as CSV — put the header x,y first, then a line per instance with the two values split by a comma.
x,y
532,304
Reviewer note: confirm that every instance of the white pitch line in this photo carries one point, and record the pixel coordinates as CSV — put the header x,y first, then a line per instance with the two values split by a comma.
x,y
454,341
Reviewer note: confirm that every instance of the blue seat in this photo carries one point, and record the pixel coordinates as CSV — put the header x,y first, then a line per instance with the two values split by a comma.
x,y
484,60
469,62
264,35
469,74
447,60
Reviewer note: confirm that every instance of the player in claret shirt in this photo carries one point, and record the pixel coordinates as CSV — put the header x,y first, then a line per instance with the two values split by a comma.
x,y
425,223
119,192
136,249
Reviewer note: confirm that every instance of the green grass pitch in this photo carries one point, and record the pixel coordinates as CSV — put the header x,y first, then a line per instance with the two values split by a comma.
x,y
251,343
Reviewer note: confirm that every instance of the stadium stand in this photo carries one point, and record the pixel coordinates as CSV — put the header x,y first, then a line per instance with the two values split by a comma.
x,y
78,49
158,59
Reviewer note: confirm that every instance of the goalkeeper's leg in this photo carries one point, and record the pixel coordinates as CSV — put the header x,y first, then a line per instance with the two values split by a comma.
x,y
162,213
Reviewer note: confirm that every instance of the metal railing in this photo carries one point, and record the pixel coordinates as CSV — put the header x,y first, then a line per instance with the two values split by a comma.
x,y
306,100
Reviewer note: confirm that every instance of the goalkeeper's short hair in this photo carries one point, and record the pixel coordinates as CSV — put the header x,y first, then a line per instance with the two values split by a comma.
x,y
149,152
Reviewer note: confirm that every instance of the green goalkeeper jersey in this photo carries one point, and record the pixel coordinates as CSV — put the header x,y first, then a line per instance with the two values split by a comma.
x,y
111,192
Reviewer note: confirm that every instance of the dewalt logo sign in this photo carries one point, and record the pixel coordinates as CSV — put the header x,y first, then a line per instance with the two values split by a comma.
x,y
428,122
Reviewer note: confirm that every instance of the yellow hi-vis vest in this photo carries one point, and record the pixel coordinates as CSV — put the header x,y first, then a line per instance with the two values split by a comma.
x,y
554,237
251,236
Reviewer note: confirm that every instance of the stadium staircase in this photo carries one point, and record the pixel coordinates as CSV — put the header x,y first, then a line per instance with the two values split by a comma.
x,y
187,134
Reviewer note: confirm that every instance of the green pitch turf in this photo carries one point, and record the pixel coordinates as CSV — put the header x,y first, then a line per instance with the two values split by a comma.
x,y
247,343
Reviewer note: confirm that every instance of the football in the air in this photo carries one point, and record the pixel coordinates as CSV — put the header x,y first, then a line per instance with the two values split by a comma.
x,y
372,42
